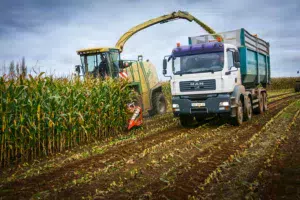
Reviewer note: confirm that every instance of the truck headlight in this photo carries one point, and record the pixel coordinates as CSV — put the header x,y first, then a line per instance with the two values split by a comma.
x,y
175,105
224,103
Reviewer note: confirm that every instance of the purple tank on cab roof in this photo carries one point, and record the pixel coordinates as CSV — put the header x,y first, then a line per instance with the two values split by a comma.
x,y
198,49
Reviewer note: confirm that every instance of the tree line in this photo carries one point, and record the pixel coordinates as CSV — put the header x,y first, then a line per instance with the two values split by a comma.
x,y
15,68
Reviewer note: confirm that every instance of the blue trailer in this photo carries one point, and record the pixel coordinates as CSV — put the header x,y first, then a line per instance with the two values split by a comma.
x,y
226,77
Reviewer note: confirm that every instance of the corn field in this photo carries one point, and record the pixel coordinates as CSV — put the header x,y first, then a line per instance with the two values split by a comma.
x,y
283,83
41,116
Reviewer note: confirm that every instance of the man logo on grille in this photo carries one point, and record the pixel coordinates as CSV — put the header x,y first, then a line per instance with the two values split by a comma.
x,y
197,84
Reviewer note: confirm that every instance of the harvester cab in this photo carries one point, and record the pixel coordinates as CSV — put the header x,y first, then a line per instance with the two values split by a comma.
x,y
100,62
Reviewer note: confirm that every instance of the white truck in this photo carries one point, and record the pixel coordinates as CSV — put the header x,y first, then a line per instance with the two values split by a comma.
x,y
226,77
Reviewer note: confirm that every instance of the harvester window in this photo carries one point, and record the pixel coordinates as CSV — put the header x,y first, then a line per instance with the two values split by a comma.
x,y
95,64
115,56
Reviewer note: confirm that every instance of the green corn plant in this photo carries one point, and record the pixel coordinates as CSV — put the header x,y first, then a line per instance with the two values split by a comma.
x,y
41,116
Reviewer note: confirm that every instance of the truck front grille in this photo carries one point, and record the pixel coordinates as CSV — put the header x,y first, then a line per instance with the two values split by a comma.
x,y
197,85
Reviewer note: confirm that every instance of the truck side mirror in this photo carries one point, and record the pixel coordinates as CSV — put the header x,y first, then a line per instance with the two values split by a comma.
x,y
165,64
237,64
236,56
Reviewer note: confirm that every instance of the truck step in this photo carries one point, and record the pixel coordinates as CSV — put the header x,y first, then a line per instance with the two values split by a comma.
x,y
255,106
255,100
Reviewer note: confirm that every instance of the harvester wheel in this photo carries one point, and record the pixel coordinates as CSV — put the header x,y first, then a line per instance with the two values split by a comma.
x,y
159,103
186,120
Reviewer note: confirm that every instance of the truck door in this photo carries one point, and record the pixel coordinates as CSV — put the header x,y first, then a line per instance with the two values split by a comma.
x,y
232,75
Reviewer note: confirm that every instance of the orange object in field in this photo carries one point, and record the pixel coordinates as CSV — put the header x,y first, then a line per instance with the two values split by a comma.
x,y
137,117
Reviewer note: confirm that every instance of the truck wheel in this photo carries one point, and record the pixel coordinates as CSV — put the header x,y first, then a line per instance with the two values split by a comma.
x,y
247,109
186,120
260,108
265,101
238,119
159,103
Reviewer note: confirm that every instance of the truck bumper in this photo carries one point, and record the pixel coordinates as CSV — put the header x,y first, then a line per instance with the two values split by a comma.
x,y
201,105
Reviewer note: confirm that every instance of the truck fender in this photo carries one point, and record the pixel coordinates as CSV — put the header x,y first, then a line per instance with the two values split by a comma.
x,y
239,90
237,94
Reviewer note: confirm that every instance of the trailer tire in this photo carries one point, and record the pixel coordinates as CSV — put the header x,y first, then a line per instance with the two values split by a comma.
x,y
265,101
238,119
186,120
260,108
159,103
247,109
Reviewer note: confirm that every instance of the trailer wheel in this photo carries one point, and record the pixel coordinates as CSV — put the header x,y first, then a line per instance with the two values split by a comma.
x,y
265,101
159,103
247,109
260,108
238,119
186,120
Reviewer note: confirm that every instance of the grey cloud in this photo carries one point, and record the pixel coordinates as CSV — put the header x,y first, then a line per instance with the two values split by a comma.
x,y
52,31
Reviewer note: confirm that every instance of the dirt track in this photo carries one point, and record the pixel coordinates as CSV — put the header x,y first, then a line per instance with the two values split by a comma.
x,y
164,160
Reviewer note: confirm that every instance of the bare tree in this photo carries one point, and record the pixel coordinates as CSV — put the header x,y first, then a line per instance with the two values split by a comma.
x,y
18,69
12,71
23,67
3,71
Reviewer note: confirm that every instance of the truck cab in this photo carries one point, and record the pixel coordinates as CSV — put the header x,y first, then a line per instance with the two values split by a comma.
x,y
211,77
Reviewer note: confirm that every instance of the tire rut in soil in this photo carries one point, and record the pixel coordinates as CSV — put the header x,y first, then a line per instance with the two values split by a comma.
x,y
39,183
66,173
116,196
173,132
187,182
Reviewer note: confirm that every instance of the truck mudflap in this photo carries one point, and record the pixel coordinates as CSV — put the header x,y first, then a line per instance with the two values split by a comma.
x,y
202,105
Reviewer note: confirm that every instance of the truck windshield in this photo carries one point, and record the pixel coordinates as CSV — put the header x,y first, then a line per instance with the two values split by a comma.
x,y
208,62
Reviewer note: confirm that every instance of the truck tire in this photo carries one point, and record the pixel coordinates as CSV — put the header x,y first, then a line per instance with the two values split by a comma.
x,y
247,109
260,108
265,101
238,119
186,120
159,103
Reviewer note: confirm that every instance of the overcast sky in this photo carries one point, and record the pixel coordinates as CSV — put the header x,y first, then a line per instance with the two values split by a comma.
x,y
50,32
